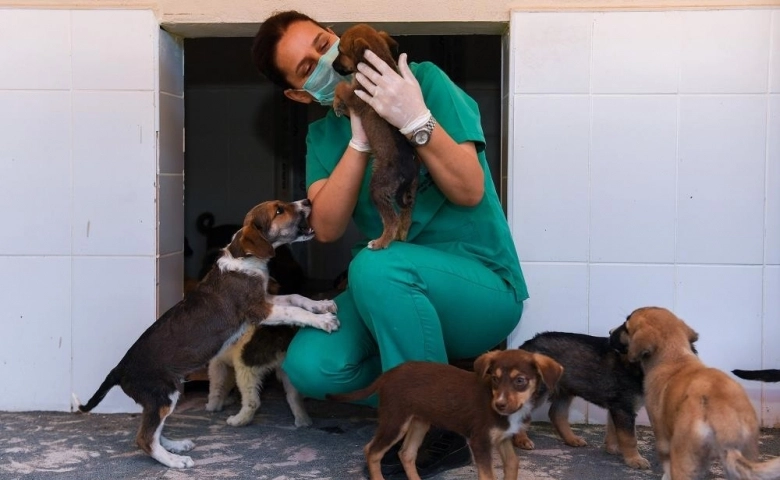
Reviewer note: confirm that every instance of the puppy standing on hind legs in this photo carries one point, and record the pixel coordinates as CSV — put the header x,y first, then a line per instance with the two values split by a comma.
x,y
396,165
210,318
697,413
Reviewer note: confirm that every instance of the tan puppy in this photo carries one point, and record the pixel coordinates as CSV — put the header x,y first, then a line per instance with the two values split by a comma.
x,y
698,413
395,168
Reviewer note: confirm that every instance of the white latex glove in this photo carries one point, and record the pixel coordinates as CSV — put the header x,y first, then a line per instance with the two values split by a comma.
x,y
396,98
359,139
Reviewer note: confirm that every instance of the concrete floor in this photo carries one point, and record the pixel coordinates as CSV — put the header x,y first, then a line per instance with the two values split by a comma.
x,y
41,445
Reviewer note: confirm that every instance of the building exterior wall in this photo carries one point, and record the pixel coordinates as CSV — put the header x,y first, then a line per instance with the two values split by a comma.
x,y
644,168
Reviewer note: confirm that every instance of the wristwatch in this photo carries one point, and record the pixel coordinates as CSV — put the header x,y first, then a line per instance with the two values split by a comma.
x,y
422,135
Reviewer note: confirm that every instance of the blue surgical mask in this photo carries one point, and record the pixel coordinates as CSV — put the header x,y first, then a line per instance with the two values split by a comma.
x,y
322,81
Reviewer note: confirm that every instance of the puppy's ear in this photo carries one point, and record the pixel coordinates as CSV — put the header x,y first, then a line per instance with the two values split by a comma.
x,y
391,44
250,242
549,369
483,364
641,345
359,47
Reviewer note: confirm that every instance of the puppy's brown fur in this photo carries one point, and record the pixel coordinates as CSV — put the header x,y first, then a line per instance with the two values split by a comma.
x,y
698,413
396,165
209,319
486,406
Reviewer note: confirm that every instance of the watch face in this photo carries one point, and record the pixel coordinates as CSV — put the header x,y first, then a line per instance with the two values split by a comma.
x,y
421,138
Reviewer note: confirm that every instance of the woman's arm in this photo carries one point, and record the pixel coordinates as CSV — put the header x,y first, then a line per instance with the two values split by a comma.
x,y
398,99
333,199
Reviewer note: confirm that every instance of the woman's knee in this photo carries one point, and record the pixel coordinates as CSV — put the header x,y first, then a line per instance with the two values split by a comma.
x,y
372,269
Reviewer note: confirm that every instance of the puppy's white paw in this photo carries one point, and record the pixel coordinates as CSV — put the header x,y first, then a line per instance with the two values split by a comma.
x,y
181,461
177,446
327,322
239,420
303,421
215,405
325,306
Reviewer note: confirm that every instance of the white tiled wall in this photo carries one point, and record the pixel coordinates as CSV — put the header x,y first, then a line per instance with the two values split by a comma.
x,y
78,180
645,170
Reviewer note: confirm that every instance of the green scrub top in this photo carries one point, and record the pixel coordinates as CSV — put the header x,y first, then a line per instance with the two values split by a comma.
x,y
480,232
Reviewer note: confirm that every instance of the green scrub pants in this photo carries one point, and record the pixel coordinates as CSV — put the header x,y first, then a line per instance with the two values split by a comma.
x,y
407,302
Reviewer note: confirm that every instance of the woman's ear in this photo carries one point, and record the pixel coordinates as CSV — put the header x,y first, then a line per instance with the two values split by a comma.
x,y
300,96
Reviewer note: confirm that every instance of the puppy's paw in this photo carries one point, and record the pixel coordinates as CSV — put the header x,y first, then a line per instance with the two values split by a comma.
x,y
612,449
377,244
328,322
239,420
576,441
303,421
522,441
637,462
177,446
181,461
215,405
324,306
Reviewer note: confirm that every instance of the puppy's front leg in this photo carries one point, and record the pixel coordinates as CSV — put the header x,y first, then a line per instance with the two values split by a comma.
x,y
509,459
289,315
295,300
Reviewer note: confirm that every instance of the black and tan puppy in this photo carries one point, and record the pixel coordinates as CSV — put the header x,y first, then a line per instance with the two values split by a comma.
x,y
486,406
209,319
594,371
396,165
698,413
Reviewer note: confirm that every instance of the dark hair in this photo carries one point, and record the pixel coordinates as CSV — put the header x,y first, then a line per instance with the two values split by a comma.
x,y
266,40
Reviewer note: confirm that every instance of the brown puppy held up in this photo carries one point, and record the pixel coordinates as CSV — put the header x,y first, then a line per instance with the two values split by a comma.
x,y
396,165
486,406
697,413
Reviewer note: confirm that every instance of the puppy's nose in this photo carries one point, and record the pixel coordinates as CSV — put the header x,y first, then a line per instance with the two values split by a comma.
x,y
500,405
306,202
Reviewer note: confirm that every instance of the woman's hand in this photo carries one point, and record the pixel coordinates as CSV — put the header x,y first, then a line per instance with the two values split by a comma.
x,y
396,98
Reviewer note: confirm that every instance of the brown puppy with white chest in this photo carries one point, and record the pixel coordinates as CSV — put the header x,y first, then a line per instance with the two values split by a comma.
x,y
209,319
486,406
396,165
697,413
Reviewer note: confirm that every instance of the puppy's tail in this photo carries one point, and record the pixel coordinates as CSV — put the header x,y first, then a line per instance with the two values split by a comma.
x,y
762,375
740,467
357,394
112,379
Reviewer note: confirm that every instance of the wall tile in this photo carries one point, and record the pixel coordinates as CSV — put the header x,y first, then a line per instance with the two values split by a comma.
x,y
170,281
114,165
552,52
723,304
550,177
774,61
171,134
725,51
771,354
124,39
171,214
636,52
113,303
30,59
617,290
35,177
772,228
633,169
721,179
171,64
35,350
559,300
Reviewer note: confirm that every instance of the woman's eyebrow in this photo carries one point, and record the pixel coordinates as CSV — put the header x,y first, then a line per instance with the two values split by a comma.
x,y
305,59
